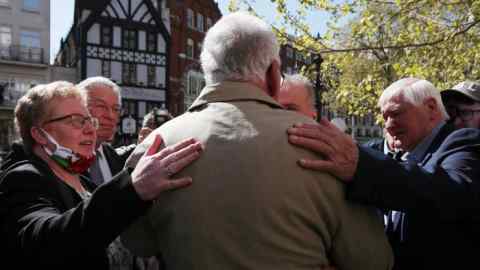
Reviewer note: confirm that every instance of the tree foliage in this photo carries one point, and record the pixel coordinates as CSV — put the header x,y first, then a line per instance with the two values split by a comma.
x,y
372,43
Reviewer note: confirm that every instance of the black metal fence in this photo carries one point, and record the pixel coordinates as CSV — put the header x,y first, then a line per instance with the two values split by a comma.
x,y
22,54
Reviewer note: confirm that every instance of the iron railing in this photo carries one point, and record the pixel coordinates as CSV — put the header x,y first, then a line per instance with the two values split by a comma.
x,y
22,54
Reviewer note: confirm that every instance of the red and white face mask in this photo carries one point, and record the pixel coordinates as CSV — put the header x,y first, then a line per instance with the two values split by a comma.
x,y
66,158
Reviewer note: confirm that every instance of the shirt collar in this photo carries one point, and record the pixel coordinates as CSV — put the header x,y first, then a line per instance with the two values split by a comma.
x,y
418,153
100,152
232,91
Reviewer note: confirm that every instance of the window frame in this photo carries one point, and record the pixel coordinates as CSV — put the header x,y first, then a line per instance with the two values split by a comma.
x,y
129,73
190,48
129,36
31,8
5,32
200,22
103,35
106,68
190,18
151,76
154,44
4,3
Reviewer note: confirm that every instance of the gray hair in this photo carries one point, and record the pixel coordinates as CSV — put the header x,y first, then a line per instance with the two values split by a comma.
x,y
32,108
300,80
100,82
415,91
150,121
238,47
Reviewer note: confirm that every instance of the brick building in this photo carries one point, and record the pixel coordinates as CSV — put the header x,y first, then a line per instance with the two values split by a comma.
x,y
189,21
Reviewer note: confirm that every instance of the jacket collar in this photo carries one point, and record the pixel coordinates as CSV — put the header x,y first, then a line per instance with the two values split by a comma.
x,y
232,91
441,135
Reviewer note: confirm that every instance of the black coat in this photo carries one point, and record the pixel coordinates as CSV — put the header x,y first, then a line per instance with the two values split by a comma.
x,y
440,197
44,224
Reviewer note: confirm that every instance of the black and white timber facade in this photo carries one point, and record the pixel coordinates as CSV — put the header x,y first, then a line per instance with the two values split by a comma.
x,y
126,41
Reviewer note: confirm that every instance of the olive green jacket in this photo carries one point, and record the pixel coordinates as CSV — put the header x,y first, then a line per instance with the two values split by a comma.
x,y
250,205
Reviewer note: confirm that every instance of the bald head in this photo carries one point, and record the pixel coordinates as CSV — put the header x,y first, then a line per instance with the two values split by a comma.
x,y
297,94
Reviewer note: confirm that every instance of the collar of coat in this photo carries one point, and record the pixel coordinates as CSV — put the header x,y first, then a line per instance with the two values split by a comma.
x,y
232,91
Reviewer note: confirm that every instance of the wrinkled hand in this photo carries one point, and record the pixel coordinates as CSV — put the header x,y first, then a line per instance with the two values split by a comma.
x,y
152,174
339,149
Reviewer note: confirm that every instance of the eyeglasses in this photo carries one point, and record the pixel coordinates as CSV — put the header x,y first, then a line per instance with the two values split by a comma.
x,y
76,120
465,115
104,108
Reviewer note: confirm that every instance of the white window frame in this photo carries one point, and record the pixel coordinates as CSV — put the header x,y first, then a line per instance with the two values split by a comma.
x,y
190,18
30,35
195,83
200,23
4,41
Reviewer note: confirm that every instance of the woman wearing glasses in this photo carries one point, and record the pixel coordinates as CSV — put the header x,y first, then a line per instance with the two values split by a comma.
x,y
48,215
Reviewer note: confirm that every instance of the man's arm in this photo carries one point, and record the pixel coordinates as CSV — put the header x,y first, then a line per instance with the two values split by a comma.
x,y
447,185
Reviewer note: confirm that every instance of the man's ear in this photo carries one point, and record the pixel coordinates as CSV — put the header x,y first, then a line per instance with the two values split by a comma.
x,y
38,136
273,79
431,104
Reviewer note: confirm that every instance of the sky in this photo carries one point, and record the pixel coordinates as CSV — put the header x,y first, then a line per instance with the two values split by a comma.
x,y
61,12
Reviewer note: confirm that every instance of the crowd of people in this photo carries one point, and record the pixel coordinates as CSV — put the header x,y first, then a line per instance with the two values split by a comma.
x,y
246,178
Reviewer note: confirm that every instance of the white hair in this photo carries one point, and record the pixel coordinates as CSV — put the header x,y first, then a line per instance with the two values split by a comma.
x,y
99,82
413,90
300,80
238,47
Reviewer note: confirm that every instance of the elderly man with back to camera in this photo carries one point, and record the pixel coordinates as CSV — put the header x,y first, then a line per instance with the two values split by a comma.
x,y
251,206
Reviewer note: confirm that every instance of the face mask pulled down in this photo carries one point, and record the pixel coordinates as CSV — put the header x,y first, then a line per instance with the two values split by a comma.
x,y
66,158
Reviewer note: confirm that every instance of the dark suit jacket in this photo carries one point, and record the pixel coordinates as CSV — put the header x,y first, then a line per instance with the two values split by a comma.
x,y
440,197
115,161
115,157
44,224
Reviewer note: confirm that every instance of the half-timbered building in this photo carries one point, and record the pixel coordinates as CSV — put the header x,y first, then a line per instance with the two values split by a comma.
x,y
127,41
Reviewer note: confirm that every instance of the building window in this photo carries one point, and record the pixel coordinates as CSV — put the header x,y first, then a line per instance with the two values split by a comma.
x,y
195,83
129,39
106,35
151,76
190,19
200,22
4,3
30,39
190,48
152,42
31,5
30,49
129,107
209,23
5,41
199,47
5,36
129,73
106,69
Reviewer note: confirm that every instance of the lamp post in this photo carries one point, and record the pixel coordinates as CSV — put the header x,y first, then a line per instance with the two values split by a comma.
x,y
318,86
